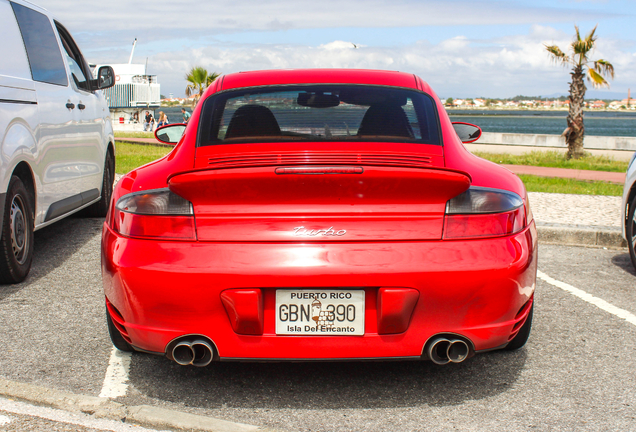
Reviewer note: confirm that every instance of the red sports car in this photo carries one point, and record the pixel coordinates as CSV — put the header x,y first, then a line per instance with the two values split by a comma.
x,y
314,215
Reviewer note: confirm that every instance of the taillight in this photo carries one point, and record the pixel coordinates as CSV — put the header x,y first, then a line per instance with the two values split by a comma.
x,y
155,214
484,212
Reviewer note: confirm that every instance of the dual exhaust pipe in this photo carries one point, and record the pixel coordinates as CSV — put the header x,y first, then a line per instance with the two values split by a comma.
x,y
197,352
442,351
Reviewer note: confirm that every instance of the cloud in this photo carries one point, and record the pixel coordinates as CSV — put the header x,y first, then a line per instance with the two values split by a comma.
x,y
176,35
338,45
456,67
195,16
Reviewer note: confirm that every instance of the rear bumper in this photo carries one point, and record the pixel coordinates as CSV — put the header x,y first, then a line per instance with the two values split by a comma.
x,y
473,288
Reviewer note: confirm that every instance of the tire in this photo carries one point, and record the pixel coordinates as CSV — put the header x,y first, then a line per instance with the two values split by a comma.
x,y
115,337
630,231
522,337
100,208
16,242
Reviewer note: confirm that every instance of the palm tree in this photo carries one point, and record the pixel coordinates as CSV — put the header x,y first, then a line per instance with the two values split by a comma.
x,y
581,66
199,79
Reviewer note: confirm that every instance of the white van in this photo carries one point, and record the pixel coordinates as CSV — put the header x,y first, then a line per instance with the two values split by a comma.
x,y
57,153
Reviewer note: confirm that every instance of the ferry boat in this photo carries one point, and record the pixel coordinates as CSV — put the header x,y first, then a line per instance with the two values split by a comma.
x,y
135,92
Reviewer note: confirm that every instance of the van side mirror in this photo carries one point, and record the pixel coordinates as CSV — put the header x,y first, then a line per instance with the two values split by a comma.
x,y
105,78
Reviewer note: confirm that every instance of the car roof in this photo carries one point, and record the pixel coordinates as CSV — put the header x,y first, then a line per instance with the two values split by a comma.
x,y
318,76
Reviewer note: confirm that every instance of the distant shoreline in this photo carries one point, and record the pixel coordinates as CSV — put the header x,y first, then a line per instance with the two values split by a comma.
x,y
484,108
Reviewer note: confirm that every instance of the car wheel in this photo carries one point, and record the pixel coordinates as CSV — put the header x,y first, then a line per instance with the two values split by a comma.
x,y
115,337
630,231
16,244
522,337
100,208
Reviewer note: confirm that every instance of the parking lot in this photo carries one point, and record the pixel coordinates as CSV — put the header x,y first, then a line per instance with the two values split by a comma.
x,y
575,373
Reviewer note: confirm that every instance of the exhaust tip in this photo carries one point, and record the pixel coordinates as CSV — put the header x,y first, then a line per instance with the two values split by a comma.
x,y
183,353
438,351
447,348
457,351
202,352
193,349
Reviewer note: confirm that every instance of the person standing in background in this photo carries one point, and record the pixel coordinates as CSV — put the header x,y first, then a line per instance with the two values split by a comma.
x,y
163,119
186,115
149,122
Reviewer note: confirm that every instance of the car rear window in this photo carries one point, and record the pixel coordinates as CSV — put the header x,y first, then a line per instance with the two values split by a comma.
x,y
319,113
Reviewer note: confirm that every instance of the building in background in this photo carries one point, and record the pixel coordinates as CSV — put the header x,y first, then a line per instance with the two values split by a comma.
x,y
134,93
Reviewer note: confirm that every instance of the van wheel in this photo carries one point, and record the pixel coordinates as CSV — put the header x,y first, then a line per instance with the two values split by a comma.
x,y
16,244
630,231
100,208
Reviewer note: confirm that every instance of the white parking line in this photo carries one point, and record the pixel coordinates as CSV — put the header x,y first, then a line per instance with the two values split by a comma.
x,y
600,303
116,380
57,415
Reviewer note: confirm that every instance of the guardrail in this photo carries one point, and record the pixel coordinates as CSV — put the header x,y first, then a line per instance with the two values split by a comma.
x,y
557,141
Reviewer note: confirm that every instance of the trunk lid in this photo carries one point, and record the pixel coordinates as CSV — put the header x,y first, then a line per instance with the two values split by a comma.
x,y
317,202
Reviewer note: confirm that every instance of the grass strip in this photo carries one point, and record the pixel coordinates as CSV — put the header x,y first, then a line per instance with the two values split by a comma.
x,y
130,156
126,134
570,186
555,159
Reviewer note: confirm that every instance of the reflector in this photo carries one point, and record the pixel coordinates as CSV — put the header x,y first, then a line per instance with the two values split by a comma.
x,y
484,225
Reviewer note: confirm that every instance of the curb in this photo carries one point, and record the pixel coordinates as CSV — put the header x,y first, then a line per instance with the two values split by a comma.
x,y
143,415
143,143
569,236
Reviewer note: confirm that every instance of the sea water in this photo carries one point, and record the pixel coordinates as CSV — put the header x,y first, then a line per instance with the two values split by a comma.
x,y
598,123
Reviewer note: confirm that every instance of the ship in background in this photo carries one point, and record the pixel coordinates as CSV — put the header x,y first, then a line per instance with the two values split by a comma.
x,y
134,93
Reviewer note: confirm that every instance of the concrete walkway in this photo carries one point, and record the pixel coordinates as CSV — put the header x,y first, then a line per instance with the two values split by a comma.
x,y
611,177
580,220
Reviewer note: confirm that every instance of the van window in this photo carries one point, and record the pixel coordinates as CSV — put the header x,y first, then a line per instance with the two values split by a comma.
x,y
74,58
76,73
41,45
12,46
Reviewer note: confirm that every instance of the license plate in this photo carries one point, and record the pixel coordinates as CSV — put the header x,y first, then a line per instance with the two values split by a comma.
x,y
320,312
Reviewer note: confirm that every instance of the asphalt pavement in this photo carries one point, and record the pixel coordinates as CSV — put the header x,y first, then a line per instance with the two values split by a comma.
x,y
575,373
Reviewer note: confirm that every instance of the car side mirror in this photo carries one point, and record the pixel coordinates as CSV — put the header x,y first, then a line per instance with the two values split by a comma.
x,y
170,134
105,77
467,132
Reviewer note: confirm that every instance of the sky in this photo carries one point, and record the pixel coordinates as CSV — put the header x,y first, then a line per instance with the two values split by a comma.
x,y
463,49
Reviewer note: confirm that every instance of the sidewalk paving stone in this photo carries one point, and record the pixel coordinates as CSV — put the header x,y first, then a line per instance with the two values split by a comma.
x,y
581,211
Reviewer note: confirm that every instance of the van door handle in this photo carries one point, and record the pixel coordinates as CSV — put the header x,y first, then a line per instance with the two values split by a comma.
x,y
81,106
70,105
